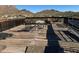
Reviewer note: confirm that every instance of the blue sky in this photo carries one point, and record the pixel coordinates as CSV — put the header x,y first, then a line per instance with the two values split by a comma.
x,y
37,8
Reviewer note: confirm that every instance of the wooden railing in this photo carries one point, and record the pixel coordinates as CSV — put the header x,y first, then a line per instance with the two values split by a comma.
x,y
9,23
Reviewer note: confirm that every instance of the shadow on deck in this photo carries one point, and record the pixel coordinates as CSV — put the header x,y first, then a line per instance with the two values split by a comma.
x,y
5,35
72,35
53,44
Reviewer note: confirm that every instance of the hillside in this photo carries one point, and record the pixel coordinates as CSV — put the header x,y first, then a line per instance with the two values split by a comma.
x,y
48,13
26,13
11,10
57,13
7,9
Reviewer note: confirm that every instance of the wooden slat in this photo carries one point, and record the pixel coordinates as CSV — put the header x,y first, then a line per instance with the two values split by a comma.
x,y
35,49
60,36
30,42
66,37
14,49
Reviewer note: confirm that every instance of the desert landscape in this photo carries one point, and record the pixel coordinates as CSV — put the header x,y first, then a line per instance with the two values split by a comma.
x,y
47,31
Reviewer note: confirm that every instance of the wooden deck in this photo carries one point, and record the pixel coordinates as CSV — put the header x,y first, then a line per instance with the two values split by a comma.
x,y
35,41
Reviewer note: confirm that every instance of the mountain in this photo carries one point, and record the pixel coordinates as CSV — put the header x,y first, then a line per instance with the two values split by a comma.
x,y
48,13
12,10
57,13
7,9
26,13
70,14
